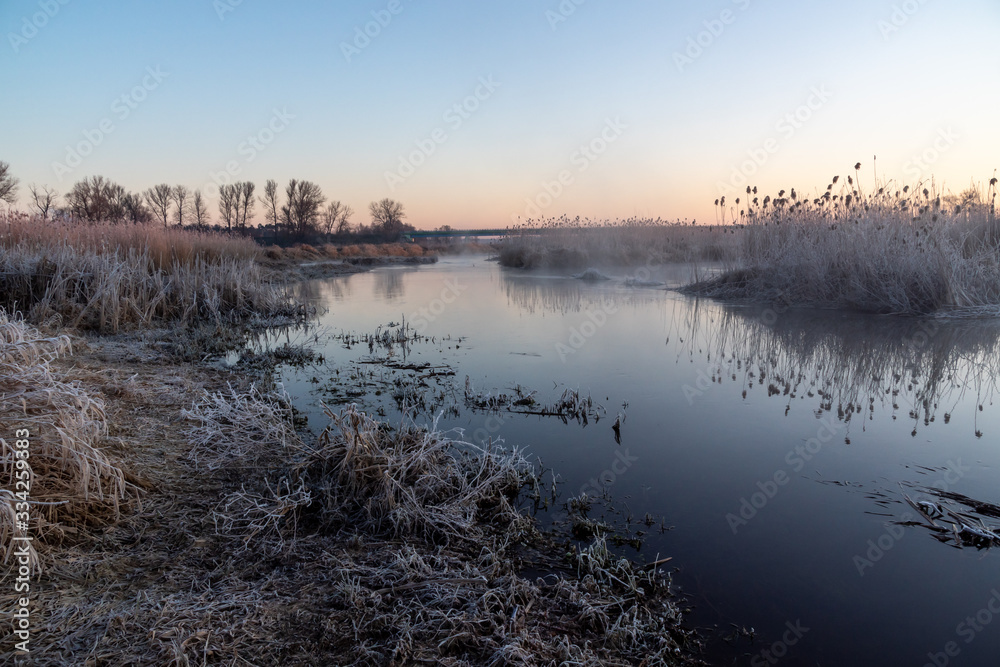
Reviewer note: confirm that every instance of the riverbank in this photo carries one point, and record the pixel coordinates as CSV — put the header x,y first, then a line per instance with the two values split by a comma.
x,y
214,532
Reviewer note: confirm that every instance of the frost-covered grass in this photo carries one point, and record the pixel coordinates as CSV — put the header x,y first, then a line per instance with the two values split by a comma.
x,y
115,276
905,250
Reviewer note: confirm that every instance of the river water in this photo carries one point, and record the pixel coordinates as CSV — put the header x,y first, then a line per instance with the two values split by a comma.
x,y
771,447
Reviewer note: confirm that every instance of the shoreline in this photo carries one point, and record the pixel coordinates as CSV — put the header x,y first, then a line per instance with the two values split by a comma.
x,y
164,582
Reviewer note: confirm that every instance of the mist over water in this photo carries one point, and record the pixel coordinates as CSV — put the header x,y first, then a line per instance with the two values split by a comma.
x,y
776,444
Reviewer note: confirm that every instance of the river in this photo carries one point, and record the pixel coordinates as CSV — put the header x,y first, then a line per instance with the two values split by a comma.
x,y
771,447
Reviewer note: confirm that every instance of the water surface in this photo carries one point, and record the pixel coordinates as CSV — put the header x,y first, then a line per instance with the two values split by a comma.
x,y
776,444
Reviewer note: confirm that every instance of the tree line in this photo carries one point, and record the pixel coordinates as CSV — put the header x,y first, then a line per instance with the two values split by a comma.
x,y
300,211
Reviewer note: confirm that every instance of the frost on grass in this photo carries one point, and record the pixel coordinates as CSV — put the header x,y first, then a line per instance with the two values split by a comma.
x,y
110,277
239,425
72,481
888,250
421,543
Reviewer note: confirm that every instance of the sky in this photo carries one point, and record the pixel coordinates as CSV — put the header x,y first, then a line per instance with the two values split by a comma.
x,y
483,114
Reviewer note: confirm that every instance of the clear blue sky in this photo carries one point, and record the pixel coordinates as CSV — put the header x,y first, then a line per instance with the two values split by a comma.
x,y
667,126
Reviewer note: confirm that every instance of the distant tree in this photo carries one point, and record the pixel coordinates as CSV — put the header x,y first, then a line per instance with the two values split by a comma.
x,y
180,196
134,209
95,198
228,205
301,213
116,195
44,198
200,210
160,198
387,218
336,218
270,202
245,203
8,184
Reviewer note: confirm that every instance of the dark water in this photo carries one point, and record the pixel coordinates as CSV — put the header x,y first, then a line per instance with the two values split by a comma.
x,y
777,443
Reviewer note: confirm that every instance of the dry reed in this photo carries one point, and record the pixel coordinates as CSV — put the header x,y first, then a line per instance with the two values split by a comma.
x,y
410,482
110,277
72,482
888,251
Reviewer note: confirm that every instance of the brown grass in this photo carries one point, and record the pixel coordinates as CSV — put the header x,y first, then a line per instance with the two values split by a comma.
x,y
251,561
112,277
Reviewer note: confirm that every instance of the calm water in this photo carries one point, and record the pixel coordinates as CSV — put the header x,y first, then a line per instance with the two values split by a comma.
x,y
776,443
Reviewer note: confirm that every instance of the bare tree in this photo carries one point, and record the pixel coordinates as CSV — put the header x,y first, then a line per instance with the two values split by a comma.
x,y
387,218
270,202
337,218
8,184
228,204
116,195
180,196
135,210
160,198
95,198
246,202
44,198
200,210
301,213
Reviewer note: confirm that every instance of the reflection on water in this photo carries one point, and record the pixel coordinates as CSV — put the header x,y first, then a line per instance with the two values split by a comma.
x,y
852,364
388,284
323,292
809,426
564,296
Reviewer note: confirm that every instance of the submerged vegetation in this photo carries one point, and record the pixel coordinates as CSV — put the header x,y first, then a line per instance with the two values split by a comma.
x,y
889,249
562,243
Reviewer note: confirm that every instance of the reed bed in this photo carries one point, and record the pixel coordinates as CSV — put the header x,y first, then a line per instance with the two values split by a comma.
x,y
893,251
110,277
562,243
73,484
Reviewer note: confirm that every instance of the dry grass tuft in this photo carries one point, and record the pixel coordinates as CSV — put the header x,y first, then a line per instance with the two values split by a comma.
x,y
72,482
410,482
239,425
